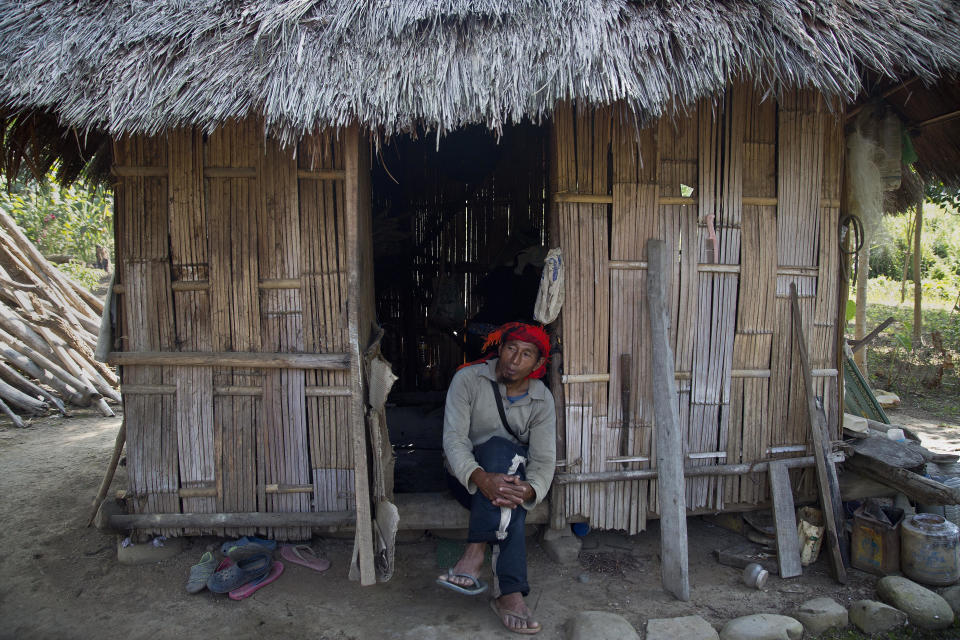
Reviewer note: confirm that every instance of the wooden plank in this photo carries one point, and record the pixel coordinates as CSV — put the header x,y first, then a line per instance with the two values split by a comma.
x,y
831,510
673,513
788,544
354,146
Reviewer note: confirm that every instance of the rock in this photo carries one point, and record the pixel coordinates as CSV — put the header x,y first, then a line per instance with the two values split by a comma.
x,y
873,617
600,625
952,596
583,578
148,552
562,549
762,626
687,628
886,399
820,614
923,607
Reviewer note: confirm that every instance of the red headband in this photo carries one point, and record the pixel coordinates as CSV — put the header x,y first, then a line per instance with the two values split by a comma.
x,y
525,333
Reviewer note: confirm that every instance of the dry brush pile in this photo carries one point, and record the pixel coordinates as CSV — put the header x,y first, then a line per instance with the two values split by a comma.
x,y
48,333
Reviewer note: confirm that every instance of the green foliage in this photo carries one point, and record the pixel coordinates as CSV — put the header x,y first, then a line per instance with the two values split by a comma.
x,y
82,273
948,198
940,246
62,220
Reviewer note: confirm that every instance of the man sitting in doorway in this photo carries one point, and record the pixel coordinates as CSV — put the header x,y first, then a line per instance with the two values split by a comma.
x,y
499,443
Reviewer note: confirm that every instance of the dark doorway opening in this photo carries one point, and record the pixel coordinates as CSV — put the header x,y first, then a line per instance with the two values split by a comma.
x,y
459,234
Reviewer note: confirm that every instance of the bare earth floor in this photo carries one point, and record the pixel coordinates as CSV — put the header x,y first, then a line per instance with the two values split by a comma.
x,y
62,580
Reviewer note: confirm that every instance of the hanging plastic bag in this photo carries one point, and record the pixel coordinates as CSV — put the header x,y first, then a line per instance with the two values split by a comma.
x,y
550,296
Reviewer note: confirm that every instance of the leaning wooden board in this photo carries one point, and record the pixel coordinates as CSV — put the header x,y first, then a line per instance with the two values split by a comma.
x,y
788,543
817,428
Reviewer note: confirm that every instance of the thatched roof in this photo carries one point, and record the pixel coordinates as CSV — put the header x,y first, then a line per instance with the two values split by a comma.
x,y
392,65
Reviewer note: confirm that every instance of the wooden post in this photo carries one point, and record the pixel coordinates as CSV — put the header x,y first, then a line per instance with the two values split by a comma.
x,y
357,424
827,483
674,571
917,288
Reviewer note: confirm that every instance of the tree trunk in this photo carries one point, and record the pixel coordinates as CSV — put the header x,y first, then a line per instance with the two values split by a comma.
x,y
917,285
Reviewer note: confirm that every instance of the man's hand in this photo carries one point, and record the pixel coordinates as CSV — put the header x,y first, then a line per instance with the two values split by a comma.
x,y
501,489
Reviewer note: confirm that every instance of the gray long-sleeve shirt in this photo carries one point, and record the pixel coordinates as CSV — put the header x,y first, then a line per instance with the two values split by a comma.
x,y
471,418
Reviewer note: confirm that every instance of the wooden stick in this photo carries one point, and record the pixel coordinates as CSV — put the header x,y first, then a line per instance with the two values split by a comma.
x,y
673,516
249,519
856,345
253,360
827,485
111,470
17,421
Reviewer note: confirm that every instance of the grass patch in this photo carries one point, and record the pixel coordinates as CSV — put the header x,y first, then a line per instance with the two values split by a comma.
x,y
922,374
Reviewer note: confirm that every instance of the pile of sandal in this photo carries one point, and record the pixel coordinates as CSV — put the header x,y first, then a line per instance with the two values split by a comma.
x,y
247,565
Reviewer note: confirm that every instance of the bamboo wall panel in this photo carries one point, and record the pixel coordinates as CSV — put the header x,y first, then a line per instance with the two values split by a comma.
x,y
324,291
189,262
148,325
749,428
765,176
258,233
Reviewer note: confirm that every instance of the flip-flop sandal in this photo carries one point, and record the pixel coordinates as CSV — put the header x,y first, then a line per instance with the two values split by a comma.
x,y
247,547
201,572
479,586
304,555
249,589
232,575
529,631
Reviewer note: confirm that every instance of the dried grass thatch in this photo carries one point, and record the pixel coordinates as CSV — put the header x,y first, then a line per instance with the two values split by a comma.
x,y
147,65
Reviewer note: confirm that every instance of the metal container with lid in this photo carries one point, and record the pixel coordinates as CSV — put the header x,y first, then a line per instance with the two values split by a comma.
x,y
930,549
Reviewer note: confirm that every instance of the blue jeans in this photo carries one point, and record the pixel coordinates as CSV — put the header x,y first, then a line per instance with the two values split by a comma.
x,y
510,554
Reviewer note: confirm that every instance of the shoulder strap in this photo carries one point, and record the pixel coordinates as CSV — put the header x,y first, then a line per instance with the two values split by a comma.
x,y
503,414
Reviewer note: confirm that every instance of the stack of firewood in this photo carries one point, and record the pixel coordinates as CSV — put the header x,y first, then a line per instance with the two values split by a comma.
x,y
48,332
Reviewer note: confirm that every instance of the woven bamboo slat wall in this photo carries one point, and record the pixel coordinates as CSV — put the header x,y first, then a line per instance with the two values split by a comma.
x,y
228,243
764,179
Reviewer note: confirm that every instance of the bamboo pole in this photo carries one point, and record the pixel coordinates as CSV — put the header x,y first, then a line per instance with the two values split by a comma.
x,y
692,471
239,359
249,519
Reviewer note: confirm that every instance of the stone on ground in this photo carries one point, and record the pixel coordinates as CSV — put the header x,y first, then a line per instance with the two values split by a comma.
x,y
952,596
925,608
820,614
762,626
148,552
687,628
601,625
874,617
561,546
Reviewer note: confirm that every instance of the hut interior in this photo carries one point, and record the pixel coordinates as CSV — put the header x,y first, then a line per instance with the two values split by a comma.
x,y
458,239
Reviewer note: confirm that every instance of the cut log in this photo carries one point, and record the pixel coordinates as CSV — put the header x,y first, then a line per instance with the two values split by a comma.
x,y
7,374
916,487
19,399
17,420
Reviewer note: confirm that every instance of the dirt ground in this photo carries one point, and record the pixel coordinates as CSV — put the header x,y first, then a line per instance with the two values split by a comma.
x,y
62,580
